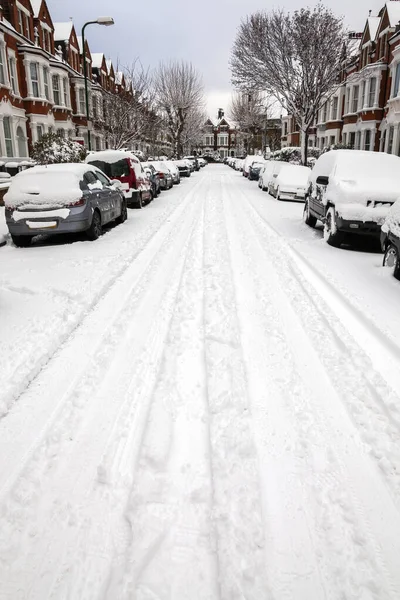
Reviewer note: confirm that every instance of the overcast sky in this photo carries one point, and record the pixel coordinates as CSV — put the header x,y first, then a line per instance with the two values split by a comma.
x,y
200,31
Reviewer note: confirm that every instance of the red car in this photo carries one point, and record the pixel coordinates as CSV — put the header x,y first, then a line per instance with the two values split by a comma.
x,y
127,168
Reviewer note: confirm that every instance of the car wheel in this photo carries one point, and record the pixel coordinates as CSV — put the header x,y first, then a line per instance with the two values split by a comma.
x,y
124,214
392,260
308,218
95,230
332,235
22,241
139,203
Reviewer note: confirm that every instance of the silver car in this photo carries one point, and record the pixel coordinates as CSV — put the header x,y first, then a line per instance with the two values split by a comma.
x,y
62,198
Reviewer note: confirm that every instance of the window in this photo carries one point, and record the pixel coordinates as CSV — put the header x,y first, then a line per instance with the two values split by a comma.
x,y
81,99
352,139
390,140
324,112
34,69
12,67
372,90
358,140
367,140
332,140
56,89
61,133
335,103
2,70
46,82
363,94
20,21
347,101
8,136
344,139
396,81
65,91
27,28
39,131
355,99
104,180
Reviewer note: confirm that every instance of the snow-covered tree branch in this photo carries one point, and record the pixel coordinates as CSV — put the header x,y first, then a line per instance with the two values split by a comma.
x,y
294,57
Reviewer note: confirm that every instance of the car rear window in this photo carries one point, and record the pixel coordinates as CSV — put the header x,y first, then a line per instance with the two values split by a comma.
x,y
113,170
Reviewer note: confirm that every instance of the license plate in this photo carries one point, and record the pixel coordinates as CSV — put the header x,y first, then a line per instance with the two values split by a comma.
x,y
41,224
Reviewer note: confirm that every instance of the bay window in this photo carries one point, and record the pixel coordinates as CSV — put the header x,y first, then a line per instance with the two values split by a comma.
x,y
372,90
355,99
81,101
396,81
46,82
8,138
65,90
12,67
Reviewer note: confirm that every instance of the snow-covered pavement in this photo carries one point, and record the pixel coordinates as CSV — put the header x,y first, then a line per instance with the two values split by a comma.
x,y
202,404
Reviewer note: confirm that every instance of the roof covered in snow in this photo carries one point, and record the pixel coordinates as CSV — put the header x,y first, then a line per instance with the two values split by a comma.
x,y
97,60
109,65
62,31
373,24
36,4
393,9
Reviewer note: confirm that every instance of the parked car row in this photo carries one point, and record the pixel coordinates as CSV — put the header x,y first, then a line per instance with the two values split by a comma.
x,y
84,197
348,191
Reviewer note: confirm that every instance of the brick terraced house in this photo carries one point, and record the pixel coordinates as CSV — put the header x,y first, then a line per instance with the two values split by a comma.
x,y
364,110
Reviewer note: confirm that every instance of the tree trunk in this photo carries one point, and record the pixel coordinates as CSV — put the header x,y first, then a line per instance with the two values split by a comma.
x,y
304,145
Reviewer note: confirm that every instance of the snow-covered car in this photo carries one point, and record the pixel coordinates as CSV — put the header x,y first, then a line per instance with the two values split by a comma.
x,y
202,162
269,174
291,183
164,174
351,191
255,168
194,160
62,198
176,178
153,177
183,167
127,168
246,164
238,166
390,239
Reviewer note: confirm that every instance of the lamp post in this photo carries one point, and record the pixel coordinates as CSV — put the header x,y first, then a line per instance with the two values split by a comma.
x,y
107,21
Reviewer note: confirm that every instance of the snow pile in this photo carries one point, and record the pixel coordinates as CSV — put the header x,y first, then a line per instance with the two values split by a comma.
x,y
392,221
52,186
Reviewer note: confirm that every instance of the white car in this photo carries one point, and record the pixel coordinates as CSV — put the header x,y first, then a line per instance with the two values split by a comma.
x,y
351,191
176,178
269,174
291,183
250,158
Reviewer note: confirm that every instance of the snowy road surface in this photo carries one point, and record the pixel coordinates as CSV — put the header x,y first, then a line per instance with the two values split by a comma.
x,y
203,404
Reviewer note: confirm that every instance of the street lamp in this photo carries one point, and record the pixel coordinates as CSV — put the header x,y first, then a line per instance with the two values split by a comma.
x,y
107,21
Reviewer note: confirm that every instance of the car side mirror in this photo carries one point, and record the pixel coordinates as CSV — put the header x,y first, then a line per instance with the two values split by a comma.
x,y
322,180
116,184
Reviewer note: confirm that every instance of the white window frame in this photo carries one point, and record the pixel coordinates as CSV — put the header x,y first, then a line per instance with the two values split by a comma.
x,y
56,89
9,139
13,72
65,94
81,101
372,104
46,84
396,80
37,80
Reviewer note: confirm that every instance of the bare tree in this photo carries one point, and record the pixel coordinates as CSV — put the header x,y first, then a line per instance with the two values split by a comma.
x,y
129,111
251,110
192,132
294,57
179,95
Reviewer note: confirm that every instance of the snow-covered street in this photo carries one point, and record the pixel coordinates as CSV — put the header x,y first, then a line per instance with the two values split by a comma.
x,y
202,404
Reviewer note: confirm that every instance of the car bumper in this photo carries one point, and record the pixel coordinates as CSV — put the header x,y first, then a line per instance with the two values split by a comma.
x,y
292,194
360,227
44,222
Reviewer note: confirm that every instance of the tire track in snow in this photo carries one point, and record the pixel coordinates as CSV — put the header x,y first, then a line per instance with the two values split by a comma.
x,y
50,467
339,505
73,316
237,498
171,552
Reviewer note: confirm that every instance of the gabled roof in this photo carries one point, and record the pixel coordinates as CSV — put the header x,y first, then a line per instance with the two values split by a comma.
x,y
110,68
36,5
97,60
393,9
224,121
209,122
373,24
62,31
119,78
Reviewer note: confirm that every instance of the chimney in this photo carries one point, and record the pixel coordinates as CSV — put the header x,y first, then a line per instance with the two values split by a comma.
x,y
220,113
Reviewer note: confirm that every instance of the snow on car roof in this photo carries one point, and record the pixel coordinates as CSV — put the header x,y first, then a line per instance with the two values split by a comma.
x,y
110,156
47,185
